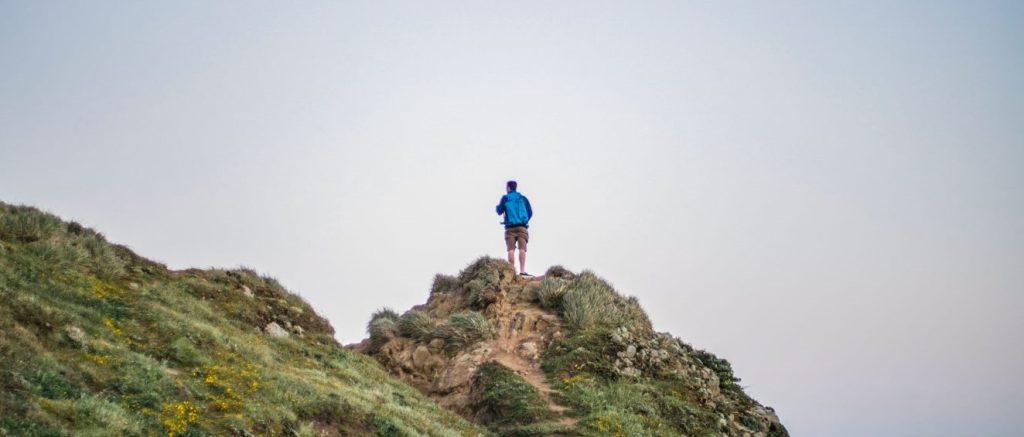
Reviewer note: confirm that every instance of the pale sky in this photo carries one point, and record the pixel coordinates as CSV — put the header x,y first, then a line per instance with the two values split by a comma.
x,y
830,196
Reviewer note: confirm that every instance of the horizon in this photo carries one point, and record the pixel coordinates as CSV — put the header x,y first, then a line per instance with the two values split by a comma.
x,y
829,196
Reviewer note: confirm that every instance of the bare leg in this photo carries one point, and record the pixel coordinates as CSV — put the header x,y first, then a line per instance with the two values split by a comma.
x,y
522,260
512,258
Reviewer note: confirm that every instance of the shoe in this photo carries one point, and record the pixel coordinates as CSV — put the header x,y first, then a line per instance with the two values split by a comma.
x,y
524,274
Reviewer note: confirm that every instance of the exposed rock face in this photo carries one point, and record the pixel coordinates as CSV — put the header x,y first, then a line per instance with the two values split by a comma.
x,y
522,330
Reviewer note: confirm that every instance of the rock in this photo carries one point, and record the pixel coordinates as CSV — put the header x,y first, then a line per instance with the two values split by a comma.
x,y
528,350
630,371
437,344
298,330
420,356
541,325
274,330
247,292
630,351
75,334
133,285
295,309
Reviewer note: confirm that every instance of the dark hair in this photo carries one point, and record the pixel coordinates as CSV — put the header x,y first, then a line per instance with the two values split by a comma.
x,y
511,185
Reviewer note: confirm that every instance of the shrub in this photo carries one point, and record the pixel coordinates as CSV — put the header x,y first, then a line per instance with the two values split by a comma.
x,y
444,284
720,366
415,325
464,329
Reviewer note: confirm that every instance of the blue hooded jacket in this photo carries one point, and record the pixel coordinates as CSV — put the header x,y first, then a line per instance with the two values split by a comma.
x,y
516,208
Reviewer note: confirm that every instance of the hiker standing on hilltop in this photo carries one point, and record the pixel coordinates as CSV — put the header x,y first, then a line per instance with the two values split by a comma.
x,y
517,211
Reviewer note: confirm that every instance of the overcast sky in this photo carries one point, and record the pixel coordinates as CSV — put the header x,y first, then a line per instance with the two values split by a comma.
x,y
829,196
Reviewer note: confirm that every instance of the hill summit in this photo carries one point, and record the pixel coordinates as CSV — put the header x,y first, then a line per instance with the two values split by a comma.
x,y
562,354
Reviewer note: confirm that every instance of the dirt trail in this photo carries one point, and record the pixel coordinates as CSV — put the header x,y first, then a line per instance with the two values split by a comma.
x,y
504,352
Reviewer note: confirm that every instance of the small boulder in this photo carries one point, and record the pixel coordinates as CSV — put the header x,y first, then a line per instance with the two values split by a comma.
x,y
420,356
274,330
528,350
247,292
630,351
75,334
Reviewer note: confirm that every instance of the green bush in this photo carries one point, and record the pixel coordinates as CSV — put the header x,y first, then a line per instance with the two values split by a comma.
x,y
415,325
720,366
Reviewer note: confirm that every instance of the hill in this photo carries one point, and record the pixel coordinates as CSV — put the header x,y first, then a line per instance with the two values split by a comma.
x,y
560,355
95,340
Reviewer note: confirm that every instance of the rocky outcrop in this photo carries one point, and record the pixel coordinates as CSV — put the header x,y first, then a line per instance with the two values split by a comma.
x,y
521,331
583,332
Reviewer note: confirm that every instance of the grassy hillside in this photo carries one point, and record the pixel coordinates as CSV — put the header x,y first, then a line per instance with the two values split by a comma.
x,y
95,340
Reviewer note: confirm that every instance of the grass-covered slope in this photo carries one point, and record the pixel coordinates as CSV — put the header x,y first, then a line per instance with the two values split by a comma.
x,y
622,378
95,340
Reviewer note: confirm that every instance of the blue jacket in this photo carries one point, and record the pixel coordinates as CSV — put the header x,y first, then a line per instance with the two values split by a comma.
x,y
516,208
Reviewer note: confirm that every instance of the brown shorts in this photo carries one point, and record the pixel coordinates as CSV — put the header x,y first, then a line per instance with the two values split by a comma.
x,y
518,234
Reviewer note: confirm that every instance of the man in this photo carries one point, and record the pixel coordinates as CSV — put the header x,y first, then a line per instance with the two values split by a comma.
x,y
517,211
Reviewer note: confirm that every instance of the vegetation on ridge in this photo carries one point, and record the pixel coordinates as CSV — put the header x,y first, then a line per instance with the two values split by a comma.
x,y
99,341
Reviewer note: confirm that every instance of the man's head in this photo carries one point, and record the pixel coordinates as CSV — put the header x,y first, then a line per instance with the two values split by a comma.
x,y
510,186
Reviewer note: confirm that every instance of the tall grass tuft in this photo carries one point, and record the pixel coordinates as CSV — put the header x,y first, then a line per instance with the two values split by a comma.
x,y
464,329
383,326
415,325
591,303
550,293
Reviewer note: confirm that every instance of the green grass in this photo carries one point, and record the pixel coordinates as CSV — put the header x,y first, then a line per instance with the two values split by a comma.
x,y
99,341
582,366
505,400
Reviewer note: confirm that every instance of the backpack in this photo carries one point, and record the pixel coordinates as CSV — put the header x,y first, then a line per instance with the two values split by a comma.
x,y
515,209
